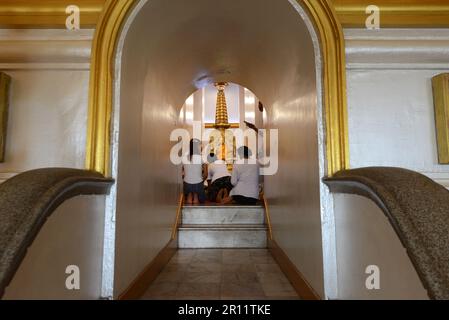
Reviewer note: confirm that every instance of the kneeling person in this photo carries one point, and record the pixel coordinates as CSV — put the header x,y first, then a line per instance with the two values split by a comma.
x,y
194,173
245,179
219,179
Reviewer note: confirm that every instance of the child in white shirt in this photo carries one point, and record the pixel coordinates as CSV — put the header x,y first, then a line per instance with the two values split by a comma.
x,y
194,174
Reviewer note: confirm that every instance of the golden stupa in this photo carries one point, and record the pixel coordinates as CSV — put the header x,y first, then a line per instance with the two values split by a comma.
x,y
221,109
222,124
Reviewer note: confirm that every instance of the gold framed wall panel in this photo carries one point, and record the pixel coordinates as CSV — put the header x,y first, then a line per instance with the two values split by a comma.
x,y
113,17
440,85
5,81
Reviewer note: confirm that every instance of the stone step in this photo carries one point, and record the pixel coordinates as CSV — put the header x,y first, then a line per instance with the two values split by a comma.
x,y
223,215
222,236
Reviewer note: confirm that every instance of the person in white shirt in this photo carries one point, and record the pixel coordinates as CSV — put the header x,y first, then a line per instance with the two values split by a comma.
x,y
194,173
219,179
245,179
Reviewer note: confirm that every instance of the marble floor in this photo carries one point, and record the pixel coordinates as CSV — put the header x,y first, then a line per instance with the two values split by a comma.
x,y
234,274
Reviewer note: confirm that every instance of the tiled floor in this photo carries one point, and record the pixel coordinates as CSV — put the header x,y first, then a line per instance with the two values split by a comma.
x,y
221,274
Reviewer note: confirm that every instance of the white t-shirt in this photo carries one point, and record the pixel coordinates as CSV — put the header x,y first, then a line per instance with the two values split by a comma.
x,y
193,172
245,179
218,170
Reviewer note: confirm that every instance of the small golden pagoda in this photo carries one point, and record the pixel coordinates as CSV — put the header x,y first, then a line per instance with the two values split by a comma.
x,y
222,124
221,109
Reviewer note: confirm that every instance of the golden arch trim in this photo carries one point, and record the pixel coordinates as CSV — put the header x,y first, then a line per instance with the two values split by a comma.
x,y
322,14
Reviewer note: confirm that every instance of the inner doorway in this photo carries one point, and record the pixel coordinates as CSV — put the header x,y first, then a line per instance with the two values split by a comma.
x,y
168,50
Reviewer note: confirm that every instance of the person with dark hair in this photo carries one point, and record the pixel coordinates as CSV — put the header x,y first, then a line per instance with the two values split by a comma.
x,y
219,179
245,179
194,174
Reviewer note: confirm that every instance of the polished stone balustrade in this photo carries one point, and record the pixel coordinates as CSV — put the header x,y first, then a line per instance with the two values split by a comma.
x,y
417,208
28,199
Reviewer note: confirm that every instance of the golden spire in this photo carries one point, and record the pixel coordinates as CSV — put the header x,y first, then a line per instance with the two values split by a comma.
x,y
221,111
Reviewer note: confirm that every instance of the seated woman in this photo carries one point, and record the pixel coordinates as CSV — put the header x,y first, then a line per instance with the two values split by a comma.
x,y
194,174
245,179
219,179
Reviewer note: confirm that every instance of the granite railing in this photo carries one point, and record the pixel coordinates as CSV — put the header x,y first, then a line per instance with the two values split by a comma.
x,y
417,208
28,199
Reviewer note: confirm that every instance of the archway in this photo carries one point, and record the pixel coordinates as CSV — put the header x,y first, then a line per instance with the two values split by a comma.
x,y
295,64
330,40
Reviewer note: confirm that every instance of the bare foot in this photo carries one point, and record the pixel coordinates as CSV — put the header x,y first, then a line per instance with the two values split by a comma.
x,y
189,199
226,200
222,194
195,199
219,196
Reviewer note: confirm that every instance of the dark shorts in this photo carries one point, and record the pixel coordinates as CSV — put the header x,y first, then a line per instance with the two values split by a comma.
x,y
195,188
245,201
217,185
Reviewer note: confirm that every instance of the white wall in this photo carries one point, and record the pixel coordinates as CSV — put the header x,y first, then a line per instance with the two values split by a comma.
x,y
49,92
390,101
47,128
147,182
293,192
391,123
365,238
73,235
